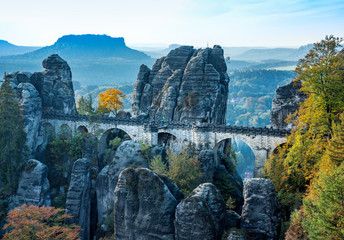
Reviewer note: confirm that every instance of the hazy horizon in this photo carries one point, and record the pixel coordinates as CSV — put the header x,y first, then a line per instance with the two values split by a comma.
x,y
246,23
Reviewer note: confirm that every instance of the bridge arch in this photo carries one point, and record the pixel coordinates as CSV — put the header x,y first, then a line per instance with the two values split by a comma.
x,y
82,130
65,131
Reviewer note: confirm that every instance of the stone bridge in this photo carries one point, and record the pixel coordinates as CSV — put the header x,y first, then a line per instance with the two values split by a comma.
x,y
262,141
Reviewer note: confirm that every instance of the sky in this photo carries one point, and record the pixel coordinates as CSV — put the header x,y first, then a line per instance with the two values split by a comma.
x,y
266,23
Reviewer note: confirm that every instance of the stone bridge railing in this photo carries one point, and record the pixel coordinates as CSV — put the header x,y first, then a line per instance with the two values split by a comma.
x,y
201,127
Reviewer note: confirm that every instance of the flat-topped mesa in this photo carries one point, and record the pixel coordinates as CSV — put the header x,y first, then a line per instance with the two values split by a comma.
x,y
188,85
54,84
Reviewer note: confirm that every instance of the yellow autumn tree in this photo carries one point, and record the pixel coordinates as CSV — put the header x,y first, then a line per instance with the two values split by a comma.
x,y
111,100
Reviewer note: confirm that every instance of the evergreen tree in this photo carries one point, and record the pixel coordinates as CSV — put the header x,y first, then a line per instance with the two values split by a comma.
x,y
325,214
12,138
84,105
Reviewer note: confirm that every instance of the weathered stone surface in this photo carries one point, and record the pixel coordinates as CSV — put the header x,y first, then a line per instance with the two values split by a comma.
x,y
178,195
235,234
33,188
123,114
209,164
31,104
260,216
128,154
54,84
201,215
78,202
187,85
144,206
286,101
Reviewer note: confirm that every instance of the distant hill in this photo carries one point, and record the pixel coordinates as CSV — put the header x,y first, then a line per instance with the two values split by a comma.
x,y
286,54
94,59
7,49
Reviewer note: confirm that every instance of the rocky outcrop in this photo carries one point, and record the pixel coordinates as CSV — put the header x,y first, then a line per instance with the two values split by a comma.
x,y
54,84
78,202
33,188
209,164
144,206
235,234
232,220
187,85
128,154
260,215
286,101
201,215
31,104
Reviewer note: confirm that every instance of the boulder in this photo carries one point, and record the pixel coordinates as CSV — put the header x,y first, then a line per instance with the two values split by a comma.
x,y
123,114
201,215
33,188
31,104
187,85
286,101
144,206
78,202
128,154
236,234
261,217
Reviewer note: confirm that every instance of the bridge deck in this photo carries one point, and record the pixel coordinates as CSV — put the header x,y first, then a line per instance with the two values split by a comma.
x,y
202,127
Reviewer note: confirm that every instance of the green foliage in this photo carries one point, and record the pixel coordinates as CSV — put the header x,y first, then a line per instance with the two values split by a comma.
x,y
325,213
84,105
230,204
251,93
296,231
158,166
146,151
12,138
315,144
224,185
184,170
115,143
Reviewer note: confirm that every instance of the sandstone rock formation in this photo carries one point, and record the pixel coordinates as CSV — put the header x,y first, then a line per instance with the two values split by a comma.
x,y
260,215
209,164
187,85
232,220
31,104
78,202
128,154
144,206
286,101
54,84
201,215
236,234
33,188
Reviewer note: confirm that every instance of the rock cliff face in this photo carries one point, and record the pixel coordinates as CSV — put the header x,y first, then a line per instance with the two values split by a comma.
x,y
54,84
187,85
144,206
261,217
32,109
201,215
127,155
34,186
285,102
49,90
78,202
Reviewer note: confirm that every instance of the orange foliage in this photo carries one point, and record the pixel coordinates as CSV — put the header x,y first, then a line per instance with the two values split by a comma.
x,y
33,222
110,100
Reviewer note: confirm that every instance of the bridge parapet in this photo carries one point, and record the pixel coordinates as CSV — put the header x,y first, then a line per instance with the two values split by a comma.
x,y
202,127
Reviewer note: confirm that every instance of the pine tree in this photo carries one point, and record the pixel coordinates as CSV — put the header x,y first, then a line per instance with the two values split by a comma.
x,y
325,213
84,105
12,138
